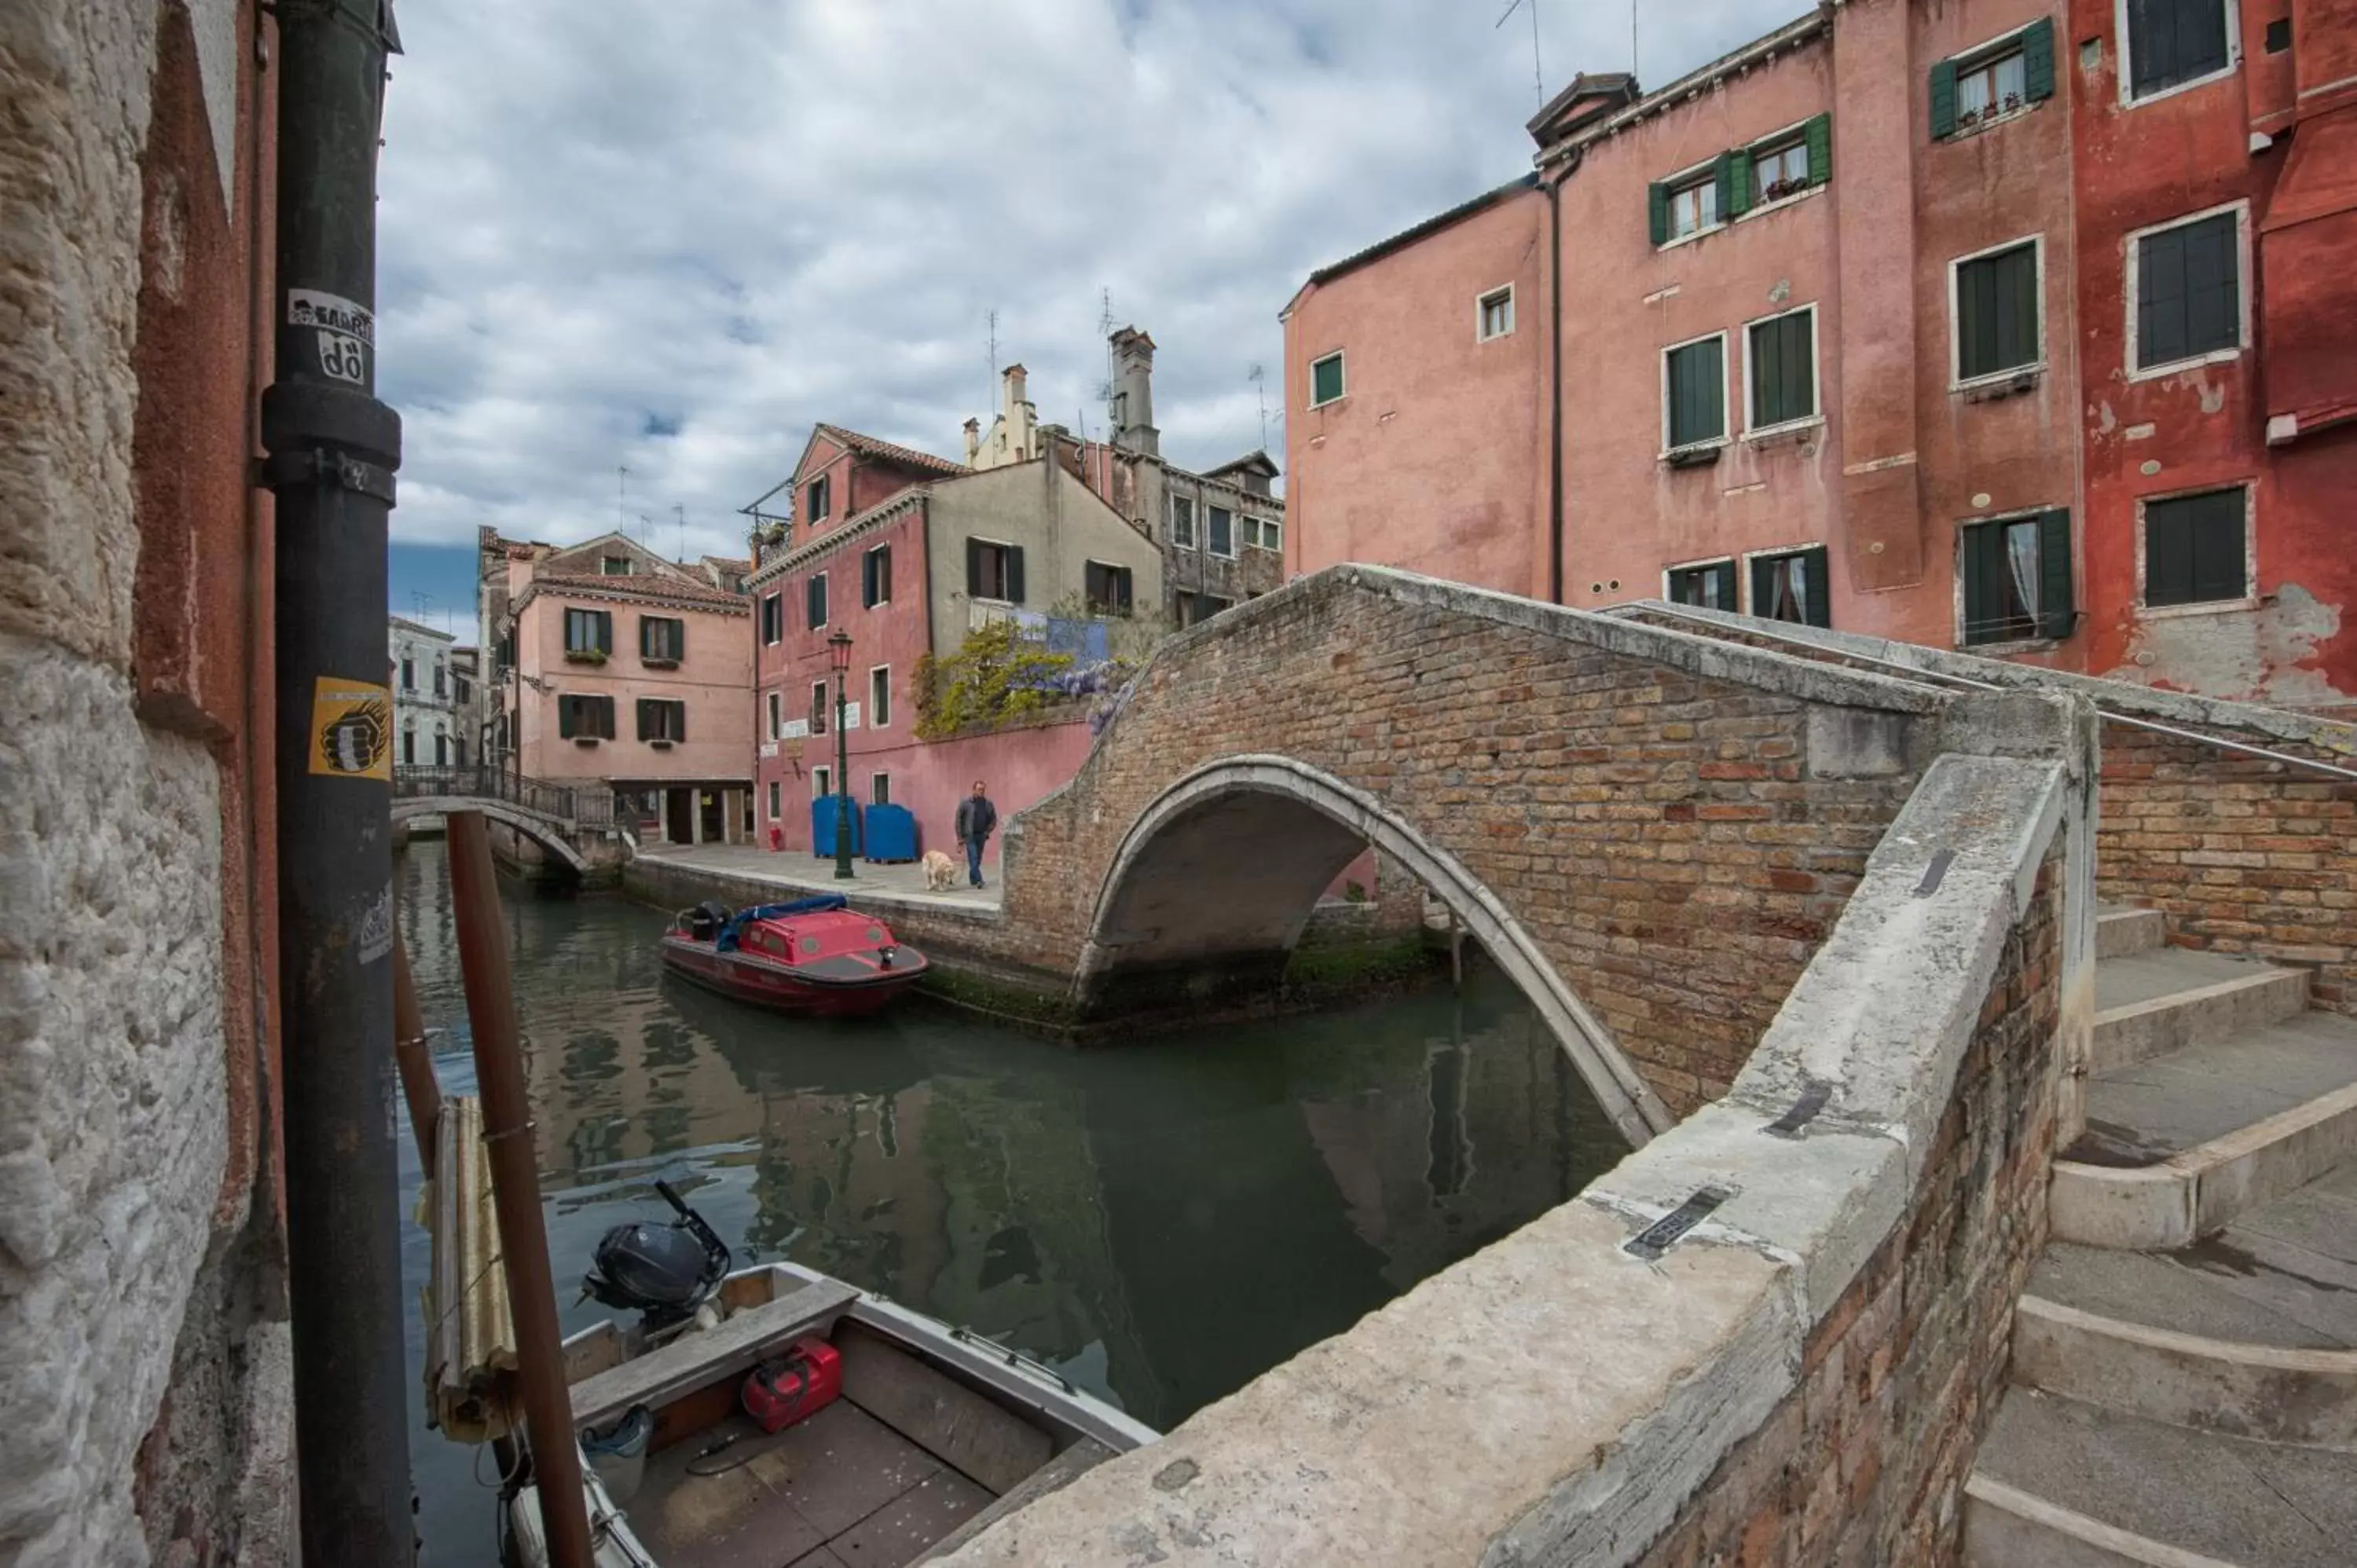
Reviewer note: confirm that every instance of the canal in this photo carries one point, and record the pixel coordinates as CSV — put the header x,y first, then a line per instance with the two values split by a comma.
x,y
1161,1221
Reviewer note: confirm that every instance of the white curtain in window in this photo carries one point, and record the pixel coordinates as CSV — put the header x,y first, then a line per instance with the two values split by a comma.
x,y
1792,589
2021,556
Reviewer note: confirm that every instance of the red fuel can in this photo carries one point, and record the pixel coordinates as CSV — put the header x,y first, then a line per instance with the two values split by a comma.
x,y
793,1387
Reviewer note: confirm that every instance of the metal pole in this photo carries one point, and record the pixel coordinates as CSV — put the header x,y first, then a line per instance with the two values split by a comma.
x,y
842,789
333,449
515,1190
415,1061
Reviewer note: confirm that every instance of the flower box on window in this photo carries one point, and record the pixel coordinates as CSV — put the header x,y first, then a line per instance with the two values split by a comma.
x,y
660,663
585,656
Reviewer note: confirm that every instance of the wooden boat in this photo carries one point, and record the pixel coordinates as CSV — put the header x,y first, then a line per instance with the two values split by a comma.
x,y
935,1433
815,956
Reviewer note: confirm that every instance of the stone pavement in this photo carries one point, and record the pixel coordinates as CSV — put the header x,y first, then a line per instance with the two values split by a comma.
x,y
796,874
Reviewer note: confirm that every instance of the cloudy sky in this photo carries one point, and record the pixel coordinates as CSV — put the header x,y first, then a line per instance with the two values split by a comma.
x,y
670,235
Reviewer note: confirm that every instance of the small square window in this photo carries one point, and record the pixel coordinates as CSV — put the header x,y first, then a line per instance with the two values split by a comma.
x,y
1497,314
1991,84
1182,522
1325,380
1108,590
1793,586
879,788
992,571
1694,206
2017,578
1710,586
1264,533
2195,549
614,566
1781,170
879,697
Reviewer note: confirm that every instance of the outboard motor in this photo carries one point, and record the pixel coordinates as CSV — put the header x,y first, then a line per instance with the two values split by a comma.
x,y
704,922
664,1273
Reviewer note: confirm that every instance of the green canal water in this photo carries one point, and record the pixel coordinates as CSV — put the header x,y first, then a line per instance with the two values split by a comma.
x,y
1161,1220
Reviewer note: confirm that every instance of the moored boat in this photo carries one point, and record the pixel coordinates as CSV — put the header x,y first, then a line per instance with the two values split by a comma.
x,y
816,956
776,1417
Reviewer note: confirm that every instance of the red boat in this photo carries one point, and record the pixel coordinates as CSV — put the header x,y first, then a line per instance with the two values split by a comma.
x,y
813,956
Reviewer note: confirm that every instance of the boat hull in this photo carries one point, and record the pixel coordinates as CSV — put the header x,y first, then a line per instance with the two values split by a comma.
x,y
856,993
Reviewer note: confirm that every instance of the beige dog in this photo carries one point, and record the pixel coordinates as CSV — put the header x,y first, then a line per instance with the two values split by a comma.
x,y
941,871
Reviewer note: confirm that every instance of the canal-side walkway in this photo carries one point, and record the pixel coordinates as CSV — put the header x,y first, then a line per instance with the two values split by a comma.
x,y
795,875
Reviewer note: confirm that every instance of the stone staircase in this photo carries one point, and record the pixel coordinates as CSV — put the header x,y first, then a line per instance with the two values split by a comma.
x,y
2185,1358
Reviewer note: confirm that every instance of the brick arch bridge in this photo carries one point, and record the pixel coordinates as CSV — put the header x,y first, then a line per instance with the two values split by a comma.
x,y
1651,830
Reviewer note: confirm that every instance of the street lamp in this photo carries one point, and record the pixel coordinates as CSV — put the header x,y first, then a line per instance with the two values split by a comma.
x,y
838,650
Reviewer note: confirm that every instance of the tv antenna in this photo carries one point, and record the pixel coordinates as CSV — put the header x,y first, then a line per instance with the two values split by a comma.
x,y
1105,336
1260,390
679,516
1538,77
420,603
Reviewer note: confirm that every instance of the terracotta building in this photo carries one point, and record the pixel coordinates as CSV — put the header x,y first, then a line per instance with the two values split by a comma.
x,y
908,553
618,668
1843,338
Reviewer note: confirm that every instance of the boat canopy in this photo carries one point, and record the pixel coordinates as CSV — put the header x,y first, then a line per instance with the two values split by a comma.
x,y
733,926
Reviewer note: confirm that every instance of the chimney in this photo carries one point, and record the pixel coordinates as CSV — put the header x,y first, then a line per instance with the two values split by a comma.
x,y
1133,386
973,440
1017,435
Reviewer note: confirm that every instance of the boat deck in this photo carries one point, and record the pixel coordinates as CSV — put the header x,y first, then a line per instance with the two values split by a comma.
x,y
840,1490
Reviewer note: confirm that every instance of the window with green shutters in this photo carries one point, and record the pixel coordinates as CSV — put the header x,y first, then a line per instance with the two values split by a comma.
x,y
662,719
1782,386
584,718
2016,573
2195,548
1988,84
814,601
1793,586
662,639
1325,380
588,632
1997,310
1710,584
2173,42
2188,291
1694,393
1767,171
876,577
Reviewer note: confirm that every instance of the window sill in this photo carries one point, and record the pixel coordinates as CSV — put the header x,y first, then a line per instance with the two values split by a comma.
x,y
1699,455
1999,383
1978,127
660,663
1689,239
2178,367
2011,646
2131,99
585,740
1781,202
1330,403
1796,431
2203,607
575,657
660,744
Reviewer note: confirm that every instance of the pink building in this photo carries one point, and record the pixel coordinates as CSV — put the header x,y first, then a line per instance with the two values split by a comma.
x,y
616,666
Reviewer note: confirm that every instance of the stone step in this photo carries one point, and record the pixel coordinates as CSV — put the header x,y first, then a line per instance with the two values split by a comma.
x,y
2252,1333
2122,932
2179,1145
2060,1483
2150,1003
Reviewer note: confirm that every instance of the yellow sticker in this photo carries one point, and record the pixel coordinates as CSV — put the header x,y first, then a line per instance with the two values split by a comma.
x,y
352,729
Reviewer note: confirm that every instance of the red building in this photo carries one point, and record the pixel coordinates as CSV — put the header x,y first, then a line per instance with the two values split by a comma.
x,y
1847,335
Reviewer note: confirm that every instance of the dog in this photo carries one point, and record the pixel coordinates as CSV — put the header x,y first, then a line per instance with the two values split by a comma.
x,y
941,871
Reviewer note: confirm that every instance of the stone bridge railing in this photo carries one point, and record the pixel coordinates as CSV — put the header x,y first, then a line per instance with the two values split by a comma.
x,y
1777,1331
589,808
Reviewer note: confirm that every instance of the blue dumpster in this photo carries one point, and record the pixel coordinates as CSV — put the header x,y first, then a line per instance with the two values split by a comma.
x,y
823,820
892,834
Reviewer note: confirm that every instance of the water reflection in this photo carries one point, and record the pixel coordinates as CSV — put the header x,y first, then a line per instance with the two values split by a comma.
x,y
1161,1221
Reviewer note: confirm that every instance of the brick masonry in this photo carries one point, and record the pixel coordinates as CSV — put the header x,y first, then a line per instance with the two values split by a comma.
x,y
1864,1462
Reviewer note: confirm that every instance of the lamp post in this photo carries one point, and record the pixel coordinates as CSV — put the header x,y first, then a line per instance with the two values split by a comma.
x,y
838,649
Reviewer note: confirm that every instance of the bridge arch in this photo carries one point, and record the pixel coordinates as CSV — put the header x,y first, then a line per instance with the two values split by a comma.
x,y
1212,883
530,823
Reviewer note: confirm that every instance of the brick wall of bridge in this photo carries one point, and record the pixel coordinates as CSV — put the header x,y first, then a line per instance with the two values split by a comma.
x,y
1659,829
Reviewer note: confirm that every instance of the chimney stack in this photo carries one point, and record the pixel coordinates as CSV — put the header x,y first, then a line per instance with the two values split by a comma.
x,y
1132,390
973,440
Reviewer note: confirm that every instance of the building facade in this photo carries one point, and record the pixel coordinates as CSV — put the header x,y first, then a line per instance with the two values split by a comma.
x,y
1848,334
428,704
934,551
619,668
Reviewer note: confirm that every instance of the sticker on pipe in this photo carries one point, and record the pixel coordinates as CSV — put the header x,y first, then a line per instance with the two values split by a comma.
x,y
352,729
343,357
331,313
376,927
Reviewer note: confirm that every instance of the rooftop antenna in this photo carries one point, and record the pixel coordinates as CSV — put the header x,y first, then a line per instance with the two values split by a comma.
x,y
420,604
1105,336
1632,42
621,489
679,515
993,356
1538,77
1260,390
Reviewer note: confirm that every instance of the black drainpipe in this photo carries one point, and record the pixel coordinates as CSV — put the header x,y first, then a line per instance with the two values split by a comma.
x,y
1554,390
333,449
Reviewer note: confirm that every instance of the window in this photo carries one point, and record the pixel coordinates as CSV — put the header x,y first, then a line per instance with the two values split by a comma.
x,y
1196,608
662,640
1779,170
1107,588
1494,314
1182,522
819,501
1264,533
2185,284
614,566
994,571
818,707
1694,393
2017,578
777,717
773,617
409,747
1793,586
1710,584
879,788
822,783
1220,525
409,675
775,804
584,717
1782,386
876,577
814,601
1996,299
2171,43
1325,380
588,632
1990,83
458,750
662,720
1687,204
441,682
2195,548
462,691
879,696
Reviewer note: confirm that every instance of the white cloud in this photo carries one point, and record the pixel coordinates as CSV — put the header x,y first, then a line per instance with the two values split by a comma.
x,y
673,236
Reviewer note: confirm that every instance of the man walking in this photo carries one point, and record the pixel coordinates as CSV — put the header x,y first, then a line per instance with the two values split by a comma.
x,y
977,819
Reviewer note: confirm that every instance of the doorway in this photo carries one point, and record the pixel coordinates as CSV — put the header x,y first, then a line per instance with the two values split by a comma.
x,y
715,823
679,815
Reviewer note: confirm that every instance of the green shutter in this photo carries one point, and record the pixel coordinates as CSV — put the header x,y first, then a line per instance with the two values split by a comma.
x,y
605,631
1737,195
2038,60
1657,206
564,725
679,720
1725,571
1820,135
1015,573
1722,174
1818,604
1944,100
2056,612
1974,543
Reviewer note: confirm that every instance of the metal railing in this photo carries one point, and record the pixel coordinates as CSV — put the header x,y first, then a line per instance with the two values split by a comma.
x,y
583,805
